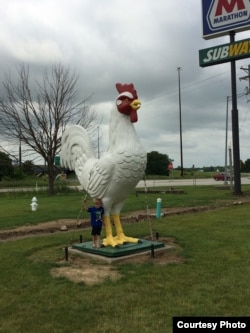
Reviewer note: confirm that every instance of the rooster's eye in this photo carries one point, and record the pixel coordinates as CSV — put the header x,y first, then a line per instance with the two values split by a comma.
x,y
122,100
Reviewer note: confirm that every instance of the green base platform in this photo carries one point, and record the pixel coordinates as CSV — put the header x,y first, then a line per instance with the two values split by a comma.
x,y
119,251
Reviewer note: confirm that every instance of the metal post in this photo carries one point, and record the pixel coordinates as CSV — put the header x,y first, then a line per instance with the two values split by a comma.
x,y
152,250
235,125
225,174
66,252
179,83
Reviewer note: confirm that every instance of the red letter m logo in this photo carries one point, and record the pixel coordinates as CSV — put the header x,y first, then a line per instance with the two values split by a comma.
x,y
229,6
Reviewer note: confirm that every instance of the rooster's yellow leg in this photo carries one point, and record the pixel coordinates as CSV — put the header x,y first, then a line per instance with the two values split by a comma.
x,y
109,240
121,238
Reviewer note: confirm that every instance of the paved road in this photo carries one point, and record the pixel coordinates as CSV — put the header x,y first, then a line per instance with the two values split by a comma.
x,y
149,183
186,182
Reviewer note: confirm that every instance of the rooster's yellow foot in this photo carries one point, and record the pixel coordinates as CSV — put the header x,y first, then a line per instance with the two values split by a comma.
x,y
125,239
111,241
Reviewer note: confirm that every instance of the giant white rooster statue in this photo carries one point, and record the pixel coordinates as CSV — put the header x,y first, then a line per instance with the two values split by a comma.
x,y
115,175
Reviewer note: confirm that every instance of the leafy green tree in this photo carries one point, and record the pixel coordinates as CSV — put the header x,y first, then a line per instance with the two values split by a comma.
x,y
6,167
157,164
28,167
245,167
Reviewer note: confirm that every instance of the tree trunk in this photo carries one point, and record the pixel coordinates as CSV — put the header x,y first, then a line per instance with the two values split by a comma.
x,y
51,177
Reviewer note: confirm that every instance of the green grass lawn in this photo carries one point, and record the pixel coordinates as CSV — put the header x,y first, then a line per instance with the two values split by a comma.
x,y
15,209
212,281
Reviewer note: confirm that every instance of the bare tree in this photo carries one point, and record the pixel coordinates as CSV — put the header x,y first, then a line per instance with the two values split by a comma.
x,y
36,113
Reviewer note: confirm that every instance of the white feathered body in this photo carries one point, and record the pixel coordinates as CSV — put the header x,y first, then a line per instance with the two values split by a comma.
x,y
117,172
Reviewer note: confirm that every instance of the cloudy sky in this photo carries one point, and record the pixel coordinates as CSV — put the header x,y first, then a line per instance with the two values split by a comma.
x,y
138,41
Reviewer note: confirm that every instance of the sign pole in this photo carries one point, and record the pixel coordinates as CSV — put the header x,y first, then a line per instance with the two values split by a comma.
x,y
235,125
179,83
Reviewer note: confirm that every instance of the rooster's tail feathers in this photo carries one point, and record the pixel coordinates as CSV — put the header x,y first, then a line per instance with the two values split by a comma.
x,y
75,146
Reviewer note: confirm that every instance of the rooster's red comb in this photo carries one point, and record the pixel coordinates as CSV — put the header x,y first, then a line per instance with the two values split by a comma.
x,y
121,88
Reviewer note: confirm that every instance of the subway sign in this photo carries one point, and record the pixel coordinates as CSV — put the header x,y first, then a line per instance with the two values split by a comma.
x,y
225,53
221,16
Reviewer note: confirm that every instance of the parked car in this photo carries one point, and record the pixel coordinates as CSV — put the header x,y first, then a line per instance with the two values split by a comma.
x,y
221,176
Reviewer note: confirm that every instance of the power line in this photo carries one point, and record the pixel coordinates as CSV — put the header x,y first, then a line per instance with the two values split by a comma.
x,y
198,82
189,85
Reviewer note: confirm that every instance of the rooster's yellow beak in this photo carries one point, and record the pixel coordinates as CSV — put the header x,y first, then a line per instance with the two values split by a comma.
x,y
136,104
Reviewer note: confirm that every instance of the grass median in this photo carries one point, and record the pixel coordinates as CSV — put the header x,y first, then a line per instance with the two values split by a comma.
x,y
212,279
15,207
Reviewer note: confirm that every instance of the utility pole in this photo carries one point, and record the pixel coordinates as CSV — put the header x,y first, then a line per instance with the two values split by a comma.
x,y
225,175
247,77
235,125
179,82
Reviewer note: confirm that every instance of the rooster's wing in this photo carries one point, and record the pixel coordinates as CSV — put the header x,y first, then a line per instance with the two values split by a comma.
x,y
97,176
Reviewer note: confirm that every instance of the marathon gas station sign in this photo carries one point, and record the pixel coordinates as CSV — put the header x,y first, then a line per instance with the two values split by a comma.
x,y
224,53
221,16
